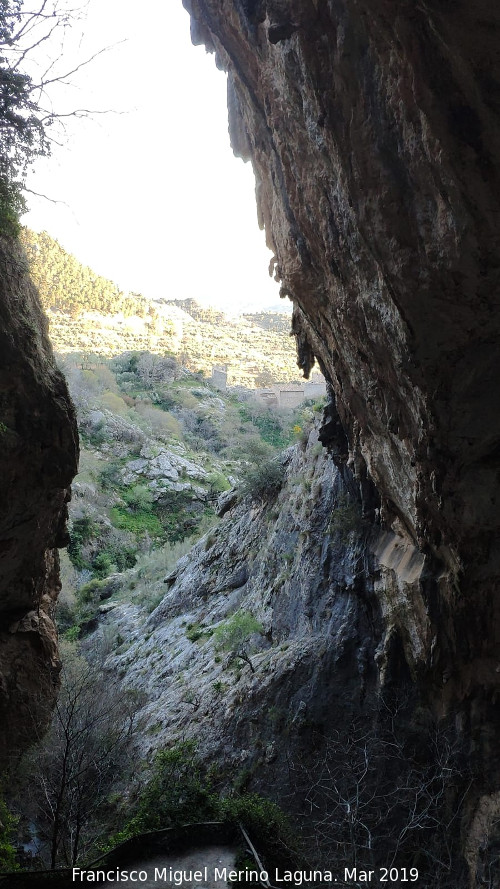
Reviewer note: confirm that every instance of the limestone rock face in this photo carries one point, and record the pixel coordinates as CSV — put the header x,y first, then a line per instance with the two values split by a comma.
x,y
300,564
39,452
374,132
373,129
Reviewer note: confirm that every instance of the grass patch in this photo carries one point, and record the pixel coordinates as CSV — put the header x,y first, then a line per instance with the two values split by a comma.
x,y
138,522
194,632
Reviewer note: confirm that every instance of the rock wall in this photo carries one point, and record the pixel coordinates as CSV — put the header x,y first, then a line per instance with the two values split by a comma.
x,y
39,452
373,129
303,719
298,562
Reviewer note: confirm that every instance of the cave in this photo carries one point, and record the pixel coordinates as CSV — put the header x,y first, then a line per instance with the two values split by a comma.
x,y
374,136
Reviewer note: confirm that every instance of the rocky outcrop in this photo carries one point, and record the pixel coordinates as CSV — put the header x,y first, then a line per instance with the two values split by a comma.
x,y
293,706
39,459
165,471
374,133
299,563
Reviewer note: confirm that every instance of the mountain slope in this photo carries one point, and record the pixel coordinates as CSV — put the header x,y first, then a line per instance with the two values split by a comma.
x,y
88,313
266,650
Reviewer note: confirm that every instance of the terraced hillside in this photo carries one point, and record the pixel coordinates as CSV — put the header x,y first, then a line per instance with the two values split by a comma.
x,y
89,313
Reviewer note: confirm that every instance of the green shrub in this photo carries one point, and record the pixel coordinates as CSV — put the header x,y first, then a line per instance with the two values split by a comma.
x,y
273,429
218,482
179,514
102,565
345,518
7,851
89,592
319,405
124,557
235,635
194,632
110,478
97,435
264,481
252,448
174,518
139,498
178,792
81,533
72,634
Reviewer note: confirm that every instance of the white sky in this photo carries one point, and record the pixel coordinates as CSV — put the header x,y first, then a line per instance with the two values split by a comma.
x,y
155,199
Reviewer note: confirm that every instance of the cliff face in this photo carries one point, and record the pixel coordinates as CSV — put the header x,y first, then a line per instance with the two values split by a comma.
x,y
300,716
373,130
299,563
39,452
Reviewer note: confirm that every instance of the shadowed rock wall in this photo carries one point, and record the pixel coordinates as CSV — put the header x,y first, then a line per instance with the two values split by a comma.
x,y
373,129
39,452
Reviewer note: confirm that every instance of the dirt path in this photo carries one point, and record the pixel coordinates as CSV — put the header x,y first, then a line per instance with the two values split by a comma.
x,y
196,869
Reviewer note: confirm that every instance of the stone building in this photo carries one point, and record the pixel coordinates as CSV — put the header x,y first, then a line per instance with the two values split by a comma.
x,y
290,395
219,377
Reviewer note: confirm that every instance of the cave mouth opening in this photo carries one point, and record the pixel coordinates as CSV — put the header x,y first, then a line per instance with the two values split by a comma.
x,y
406,191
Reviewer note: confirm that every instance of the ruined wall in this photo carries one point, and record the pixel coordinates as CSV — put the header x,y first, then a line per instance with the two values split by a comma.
x,y
38,456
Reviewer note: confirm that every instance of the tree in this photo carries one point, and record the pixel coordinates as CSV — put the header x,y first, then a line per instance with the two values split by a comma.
x,y
75,764
22,134
139,498
26,115
373,798
264,379
236,636
179,791
153,369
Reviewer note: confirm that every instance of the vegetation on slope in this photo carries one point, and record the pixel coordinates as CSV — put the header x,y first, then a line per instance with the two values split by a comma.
x,y
127,531
183,790
65,285
159,445
89,313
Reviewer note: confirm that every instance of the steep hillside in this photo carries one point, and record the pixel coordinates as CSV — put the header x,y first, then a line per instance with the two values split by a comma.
x,y
88,313
265,650
158,447
293,556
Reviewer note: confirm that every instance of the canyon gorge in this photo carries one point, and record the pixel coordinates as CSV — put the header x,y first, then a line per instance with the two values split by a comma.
x,y
373,129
